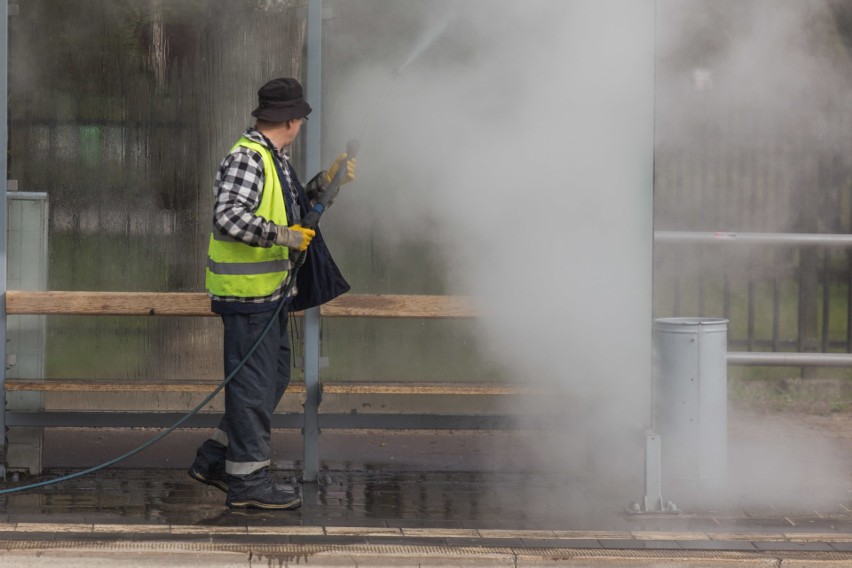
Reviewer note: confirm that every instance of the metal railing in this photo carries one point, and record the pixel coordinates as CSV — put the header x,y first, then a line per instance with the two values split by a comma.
x,y
788,295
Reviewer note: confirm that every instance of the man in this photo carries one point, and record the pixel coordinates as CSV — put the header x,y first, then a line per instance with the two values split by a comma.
x,y
256,233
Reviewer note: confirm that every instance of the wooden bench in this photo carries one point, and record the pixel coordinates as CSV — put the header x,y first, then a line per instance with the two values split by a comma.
x,y
197,304
448,389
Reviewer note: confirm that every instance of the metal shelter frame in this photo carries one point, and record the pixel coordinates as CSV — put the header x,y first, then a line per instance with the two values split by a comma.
x,y
4,175
311,428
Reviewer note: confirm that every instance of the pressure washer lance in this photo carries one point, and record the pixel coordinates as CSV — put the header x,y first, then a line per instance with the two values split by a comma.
x,y
311,220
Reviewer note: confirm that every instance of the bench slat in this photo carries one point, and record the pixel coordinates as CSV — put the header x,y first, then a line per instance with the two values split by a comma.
x,y
423,388
71,385
399,306
93,386
108,303
197,304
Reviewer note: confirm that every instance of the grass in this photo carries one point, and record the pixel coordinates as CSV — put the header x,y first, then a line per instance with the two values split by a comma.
x,y
697,284
793,394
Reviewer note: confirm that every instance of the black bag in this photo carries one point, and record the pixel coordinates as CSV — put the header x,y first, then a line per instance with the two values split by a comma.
x,y
318,280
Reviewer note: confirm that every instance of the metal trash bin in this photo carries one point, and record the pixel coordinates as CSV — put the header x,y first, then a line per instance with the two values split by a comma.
x,y
691,400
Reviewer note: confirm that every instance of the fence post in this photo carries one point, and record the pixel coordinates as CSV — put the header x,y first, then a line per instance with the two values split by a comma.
x,y
808,303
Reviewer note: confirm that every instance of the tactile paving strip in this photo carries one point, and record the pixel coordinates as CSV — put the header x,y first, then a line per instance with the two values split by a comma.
x,y
402,550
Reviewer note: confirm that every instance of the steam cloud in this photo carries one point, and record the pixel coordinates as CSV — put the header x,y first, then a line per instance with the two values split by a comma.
x,y
520,144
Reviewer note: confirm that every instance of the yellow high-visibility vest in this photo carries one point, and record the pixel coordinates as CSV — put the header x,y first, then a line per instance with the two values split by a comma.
x,y
236,269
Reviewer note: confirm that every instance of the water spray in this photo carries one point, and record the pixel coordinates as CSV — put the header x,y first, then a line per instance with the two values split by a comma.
x,y
312,218
311,221
421,46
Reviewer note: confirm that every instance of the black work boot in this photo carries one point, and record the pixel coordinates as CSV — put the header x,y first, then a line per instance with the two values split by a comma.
x,y
209,465
257,491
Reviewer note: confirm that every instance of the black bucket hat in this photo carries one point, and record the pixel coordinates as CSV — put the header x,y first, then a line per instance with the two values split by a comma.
x,y
281,100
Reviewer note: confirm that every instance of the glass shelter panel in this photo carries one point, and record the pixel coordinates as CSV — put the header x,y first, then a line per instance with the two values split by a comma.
x,y
120,112
121,118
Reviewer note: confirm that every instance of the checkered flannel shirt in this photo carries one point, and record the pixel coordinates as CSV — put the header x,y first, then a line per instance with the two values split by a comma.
x,y
239,188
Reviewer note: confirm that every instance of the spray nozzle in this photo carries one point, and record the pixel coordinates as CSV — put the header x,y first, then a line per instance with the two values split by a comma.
x,y
352,148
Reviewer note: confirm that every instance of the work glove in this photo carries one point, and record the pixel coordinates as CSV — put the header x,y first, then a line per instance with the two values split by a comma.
x,y
348,175
295,236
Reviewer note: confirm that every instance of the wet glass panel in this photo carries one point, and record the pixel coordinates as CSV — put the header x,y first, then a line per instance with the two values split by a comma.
x,y
120,112
122,118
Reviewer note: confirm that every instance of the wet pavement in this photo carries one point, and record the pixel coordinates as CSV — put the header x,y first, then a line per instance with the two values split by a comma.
x,y
388,509
391,517
394,499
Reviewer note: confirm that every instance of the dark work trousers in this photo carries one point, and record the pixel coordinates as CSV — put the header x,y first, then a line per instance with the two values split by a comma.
x,y
254,392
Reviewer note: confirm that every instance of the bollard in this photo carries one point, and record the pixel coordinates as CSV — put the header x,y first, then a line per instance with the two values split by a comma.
x,y
691,400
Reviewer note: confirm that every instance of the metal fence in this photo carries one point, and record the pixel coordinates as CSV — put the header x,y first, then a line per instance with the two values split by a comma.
x,y
753,213
781,292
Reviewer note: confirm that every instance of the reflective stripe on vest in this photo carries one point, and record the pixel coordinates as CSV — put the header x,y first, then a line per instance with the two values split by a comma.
x,y
236,269
264,267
